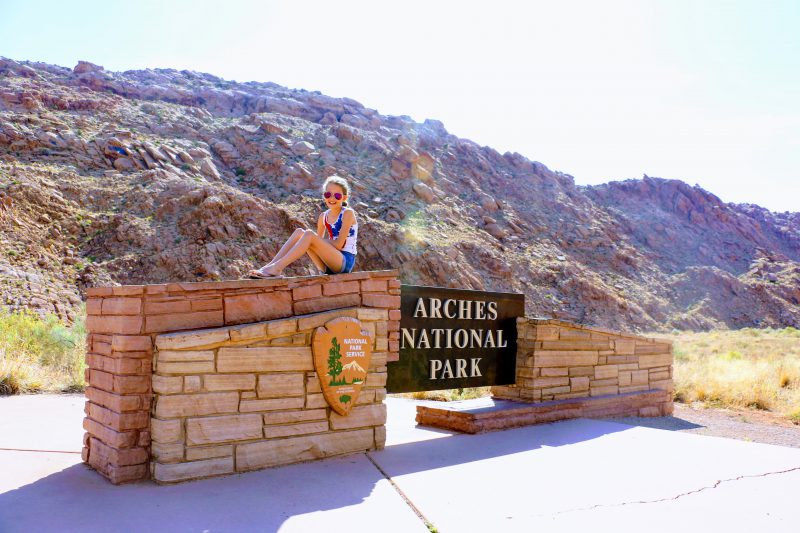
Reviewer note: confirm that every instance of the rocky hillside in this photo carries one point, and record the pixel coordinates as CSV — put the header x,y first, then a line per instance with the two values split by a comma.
x,y
163,175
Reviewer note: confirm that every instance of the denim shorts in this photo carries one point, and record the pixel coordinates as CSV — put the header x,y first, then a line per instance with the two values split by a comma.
x,y
347,266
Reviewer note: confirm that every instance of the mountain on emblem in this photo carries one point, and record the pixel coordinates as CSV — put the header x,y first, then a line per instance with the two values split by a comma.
x,y
342,353
353,372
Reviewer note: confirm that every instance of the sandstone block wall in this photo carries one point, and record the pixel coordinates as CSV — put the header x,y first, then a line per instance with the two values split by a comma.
x,y
123,323
240,398
558,360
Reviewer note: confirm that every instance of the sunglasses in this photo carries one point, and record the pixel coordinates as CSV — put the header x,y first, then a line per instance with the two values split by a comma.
x,y
336,195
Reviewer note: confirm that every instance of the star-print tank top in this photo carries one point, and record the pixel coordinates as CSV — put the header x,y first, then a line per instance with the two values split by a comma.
x,y
336,227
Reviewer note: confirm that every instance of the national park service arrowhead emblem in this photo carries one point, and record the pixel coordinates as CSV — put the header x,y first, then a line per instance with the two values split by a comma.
x,y
342,352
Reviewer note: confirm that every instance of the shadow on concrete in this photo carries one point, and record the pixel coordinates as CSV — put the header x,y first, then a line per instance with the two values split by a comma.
x,y
411,457
669,423
295,497
286,498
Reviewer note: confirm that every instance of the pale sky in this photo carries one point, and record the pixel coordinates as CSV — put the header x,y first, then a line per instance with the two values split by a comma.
x,y
706,92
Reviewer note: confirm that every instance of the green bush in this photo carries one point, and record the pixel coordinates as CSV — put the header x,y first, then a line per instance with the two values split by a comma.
x,y
40,354
732,355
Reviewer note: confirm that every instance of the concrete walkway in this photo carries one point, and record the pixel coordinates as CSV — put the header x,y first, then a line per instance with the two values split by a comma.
x,y
567,476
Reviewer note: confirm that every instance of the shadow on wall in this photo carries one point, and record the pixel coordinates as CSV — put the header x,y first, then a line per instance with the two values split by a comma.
x,y
77,498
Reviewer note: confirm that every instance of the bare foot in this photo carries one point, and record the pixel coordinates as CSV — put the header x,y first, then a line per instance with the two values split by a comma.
x,y
264,273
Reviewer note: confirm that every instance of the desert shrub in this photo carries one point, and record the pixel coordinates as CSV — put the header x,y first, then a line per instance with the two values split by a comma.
x,y
40,354
732,355
452,395
748,368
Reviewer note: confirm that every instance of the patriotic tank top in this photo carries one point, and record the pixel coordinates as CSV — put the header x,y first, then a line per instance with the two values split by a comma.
x,y
336,227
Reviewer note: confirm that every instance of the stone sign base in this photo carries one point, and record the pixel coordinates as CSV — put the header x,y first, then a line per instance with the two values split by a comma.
x,y
192,380
487,414
567,370
558,360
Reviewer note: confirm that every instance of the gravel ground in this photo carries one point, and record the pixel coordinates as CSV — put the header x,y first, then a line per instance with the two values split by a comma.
x,y
753,426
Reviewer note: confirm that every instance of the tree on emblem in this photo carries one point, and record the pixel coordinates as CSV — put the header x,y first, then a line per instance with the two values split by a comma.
x,y
334,362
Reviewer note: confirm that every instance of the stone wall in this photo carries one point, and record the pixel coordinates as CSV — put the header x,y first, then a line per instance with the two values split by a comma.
x,y
558,360
240,398
124,322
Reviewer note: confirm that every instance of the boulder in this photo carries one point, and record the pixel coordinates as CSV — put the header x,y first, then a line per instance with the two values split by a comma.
x,y
271,128
348,133
302,148
185,157
407,154
154,152
393,215
115,151
198,153
424,192
421,173
123,163
227,152
328,118
488,203
426,161
354,120
208,168
495,230
51,139
84,66
5,202
400,169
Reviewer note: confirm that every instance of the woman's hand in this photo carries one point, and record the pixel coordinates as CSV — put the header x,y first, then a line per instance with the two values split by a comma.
x,y
348,219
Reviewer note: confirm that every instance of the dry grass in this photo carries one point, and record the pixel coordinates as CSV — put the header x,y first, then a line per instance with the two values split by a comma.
x,y
746,368
451,395
40,355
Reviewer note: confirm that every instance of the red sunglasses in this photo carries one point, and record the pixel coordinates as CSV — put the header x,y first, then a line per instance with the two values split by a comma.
x,y
336,195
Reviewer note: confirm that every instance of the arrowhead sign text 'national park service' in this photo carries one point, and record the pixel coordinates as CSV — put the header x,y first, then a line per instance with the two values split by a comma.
x,y
342,352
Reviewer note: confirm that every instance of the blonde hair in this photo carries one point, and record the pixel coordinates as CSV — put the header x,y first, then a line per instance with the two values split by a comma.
x,y
341,182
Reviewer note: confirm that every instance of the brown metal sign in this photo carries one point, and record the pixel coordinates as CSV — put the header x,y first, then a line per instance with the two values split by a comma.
x,y
342,354
455,338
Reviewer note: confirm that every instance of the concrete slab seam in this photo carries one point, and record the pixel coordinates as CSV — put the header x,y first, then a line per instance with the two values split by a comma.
x,y
36,451
399,491
673,498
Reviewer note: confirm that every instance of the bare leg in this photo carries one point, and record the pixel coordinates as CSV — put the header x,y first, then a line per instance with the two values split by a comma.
x,y
317,261
290,242
322,248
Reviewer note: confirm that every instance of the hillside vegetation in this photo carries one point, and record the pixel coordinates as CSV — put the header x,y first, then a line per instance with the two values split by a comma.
x,y
158,175
747,368
40,354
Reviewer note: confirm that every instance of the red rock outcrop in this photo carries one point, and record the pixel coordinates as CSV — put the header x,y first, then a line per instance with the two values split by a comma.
x,y
163,175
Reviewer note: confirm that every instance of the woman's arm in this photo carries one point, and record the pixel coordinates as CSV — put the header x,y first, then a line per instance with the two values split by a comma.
x,y
322,233
348,219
